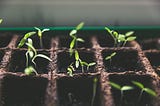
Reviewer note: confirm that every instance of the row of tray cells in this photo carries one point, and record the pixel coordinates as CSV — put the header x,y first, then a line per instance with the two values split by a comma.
x,y
80,89
63,41
124,60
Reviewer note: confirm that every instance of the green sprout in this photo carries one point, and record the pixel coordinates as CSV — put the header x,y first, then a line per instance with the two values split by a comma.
x,y
31,55
121,39
23,40
144,89
78,62
1,20
40,34
95,80
110,56
121,88
75,39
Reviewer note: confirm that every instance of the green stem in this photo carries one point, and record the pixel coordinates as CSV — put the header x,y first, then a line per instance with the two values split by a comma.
x,y
41,42
121,96
82,69
94,92
27,59
140,95
124,43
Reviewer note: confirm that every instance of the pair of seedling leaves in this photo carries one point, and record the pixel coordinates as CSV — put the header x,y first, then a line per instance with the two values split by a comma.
x,y
127,88
31,53
72,50
121,39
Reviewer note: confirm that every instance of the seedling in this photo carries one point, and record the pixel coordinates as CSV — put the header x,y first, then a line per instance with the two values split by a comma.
x,y
144,89
40,34
121,88
1,21
121,39
75,39
31,55
95,80
78,62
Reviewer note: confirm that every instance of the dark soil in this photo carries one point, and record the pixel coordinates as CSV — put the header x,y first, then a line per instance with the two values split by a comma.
x,y
5,38
80,89
17,90
152,43
130,98
1,55
18,65
64,60
124,60
154,58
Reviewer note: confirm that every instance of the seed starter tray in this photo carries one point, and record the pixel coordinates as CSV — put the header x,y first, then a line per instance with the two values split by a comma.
x,y
52,86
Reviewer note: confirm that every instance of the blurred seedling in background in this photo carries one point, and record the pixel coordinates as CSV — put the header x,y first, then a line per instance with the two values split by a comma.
x,y
120,40
144,89
40,34
95,82
121,88
1,20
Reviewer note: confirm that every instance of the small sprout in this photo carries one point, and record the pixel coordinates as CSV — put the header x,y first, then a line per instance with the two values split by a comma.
x,y
1,20
75,39
70,70
121,88
30,70
40,33
110,56
95,80
121,39
26,36
144,89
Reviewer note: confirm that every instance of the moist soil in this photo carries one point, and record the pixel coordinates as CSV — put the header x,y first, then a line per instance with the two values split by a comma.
x,y
53,86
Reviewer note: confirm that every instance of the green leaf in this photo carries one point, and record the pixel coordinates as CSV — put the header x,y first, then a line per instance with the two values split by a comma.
x,y
150,91
72,43
42,56
108,57
138,84
84,63
77,63
1,20
116,86
76,55
29,34
121,37
113,54
73,32
79,26
125,88
31,47
92,64
80,39
115,34
45,30
108,30
131,38
129,33
23,40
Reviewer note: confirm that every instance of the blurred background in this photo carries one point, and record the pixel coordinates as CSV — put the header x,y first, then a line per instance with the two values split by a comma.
x,y
28,13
